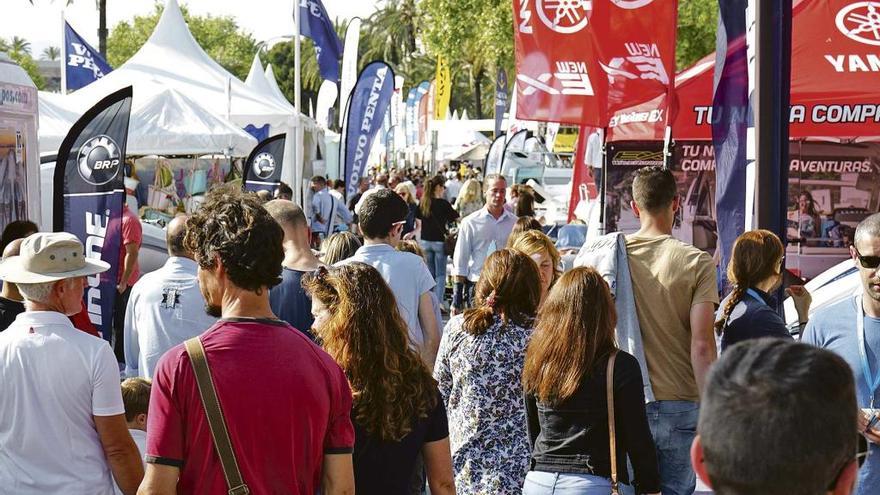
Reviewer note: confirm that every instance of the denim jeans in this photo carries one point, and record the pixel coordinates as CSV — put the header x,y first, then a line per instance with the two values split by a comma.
x,y
541,483
435,256
674,425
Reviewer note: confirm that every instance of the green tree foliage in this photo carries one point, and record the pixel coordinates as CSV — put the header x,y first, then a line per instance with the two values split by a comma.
x,y
19,50
20,45
697,23
219,36
51,53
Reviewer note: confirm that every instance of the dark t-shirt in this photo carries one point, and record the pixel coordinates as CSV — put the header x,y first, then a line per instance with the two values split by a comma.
x,y
410,219
434,227
290,303
752,319
9,309
387,467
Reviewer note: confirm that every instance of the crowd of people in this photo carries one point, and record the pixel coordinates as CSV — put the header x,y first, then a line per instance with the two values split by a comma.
x,y
325,348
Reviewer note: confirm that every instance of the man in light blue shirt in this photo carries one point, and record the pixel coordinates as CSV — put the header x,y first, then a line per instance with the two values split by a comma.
x,y
381,220
851,328
326,209
481,233
166,307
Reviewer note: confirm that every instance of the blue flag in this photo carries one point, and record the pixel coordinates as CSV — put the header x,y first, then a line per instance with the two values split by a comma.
x,y
500,99
89,195
262,169
83,64
370,100
730,118
314,23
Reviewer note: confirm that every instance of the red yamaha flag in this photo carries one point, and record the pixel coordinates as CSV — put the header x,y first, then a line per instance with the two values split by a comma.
x,y
577,61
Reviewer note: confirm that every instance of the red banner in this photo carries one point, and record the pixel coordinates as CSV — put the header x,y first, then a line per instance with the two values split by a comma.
x,y
578,61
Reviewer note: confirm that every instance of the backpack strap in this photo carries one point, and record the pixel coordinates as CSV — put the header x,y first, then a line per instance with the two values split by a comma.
x,y
217,423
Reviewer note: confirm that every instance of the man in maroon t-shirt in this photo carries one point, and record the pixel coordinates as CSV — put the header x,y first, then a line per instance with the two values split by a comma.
x,y
285,401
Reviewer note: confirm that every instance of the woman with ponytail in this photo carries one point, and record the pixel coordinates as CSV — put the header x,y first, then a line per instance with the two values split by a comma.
x,y
478,370
755,269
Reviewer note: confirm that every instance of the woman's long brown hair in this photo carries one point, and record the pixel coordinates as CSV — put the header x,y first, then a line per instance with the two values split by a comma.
x,y
366,335
574,331
509,287
757,255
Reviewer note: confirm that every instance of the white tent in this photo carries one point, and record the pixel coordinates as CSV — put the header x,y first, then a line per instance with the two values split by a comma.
x,y
171,57
168,123
273,83
259,83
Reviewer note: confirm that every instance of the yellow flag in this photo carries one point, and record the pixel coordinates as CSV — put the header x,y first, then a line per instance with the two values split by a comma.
x,y
442,89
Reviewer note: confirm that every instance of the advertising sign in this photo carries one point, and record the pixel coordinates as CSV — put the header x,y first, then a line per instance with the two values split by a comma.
x,y
370,100
576,62
262,169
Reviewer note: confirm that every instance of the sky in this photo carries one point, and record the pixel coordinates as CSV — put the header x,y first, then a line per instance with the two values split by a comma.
x,y
40,23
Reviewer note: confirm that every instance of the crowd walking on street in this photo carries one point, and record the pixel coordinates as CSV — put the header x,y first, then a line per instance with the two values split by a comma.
x,y
428,335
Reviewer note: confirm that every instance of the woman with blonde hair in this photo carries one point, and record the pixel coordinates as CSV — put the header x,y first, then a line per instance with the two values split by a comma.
x,y
407,192
397,410
756,270
339,246
478,369
470,199
565,381
536,245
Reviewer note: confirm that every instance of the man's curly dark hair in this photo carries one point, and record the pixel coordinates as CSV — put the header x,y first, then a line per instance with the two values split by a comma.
x,y
234,225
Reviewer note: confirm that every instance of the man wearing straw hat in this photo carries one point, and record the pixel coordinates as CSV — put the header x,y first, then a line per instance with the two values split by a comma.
x,y
62,421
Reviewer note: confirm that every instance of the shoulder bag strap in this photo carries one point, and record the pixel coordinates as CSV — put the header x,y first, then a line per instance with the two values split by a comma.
x,y
612,436
215,417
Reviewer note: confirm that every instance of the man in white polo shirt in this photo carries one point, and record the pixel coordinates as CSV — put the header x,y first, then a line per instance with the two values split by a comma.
x,y
166,306
62,420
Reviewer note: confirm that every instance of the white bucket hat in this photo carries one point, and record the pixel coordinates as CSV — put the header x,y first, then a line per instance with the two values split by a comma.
x,y
48,257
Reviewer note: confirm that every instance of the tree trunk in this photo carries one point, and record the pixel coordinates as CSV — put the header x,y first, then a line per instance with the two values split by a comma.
x,y
478,93
102,28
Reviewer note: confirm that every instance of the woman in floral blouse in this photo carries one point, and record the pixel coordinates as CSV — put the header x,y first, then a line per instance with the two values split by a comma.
x,y
478,369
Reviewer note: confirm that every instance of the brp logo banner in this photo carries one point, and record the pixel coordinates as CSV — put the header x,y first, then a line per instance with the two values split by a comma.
x,y
578,61
88,195
264,165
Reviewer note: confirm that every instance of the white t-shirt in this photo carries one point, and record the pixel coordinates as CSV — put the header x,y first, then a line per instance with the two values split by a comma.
x,y
594,150
54,379
406,274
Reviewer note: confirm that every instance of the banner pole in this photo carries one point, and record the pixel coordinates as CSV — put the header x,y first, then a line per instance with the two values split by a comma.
x,y
604,185
63,53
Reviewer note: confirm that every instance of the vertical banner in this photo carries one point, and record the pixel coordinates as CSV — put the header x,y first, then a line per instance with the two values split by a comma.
x,y
410,115
327,94
349,64
370,100
316,24
579,175
577,62
81,63
495,155
730,117
89,193
550,135
424,116
442,88
262,169
500,99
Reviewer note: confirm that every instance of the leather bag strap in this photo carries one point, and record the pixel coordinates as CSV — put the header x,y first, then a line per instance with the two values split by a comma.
x,y
217,423
612,436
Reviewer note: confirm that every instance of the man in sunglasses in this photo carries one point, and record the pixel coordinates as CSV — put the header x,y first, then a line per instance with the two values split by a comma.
x,y
851,328
777,418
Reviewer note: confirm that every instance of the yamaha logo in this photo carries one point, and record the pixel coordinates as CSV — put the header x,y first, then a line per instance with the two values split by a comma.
x,y
264,165
860,21
98,160
564,16
631,4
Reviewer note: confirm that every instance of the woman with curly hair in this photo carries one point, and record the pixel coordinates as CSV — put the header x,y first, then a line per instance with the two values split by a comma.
x,y
397,411
478,368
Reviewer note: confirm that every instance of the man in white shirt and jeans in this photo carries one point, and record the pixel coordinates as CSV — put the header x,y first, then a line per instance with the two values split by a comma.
x,y
62,420
166,306
481,233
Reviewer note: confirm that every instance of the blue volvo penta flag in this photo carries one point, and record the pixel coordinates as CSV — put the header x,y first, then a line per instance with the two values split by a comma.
x,y
262,169
730,117
89,193
500,99
370,100
314,23
82,63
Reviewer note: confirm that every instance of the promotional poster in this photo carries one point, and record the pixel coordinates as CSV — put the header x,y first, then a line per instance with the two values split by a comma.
x,y
262,169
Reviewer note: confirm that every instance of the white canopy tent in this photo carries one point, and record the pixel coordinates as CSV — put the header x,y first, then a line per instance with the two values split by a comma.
x,y
260,84
167,123
172,58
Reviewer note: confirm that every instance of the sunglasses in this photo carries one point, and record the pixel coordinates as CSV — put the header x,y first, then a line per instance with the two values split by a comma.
x,y
870,262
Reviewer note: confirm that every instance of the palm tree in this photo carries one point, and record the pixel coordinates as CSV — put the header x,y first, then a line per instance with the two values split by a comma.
x,y
390,32
20,45
4,45
51,53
